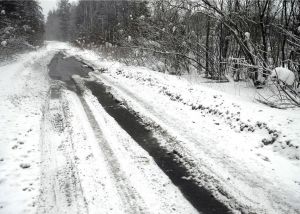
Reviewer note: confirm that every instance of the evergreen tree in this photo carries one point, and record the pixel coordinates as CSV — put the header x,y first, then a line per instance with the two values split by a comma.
x,y
21,25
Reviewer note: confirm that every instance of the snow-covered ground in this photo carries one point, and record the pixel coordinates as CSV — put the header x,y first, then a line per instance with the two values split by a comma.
x,y
62,153
249,150
23,89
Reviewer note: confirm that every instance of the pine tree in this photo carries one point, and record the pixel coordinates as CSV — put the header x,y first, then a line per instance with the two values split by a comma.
x,y
21,25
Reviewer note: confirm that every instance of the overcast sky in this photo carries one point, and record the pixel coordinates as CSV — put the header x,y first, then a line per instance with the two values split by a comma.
x,y
49,5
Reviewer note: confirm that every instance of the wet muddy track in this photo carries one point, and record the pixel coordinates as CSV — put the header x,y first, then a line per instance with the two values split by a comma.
x,y
62,68
201,198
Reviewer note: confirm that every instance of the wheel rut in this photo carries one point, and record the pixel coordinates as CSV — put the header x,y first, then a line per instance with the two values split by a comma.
x,y
133,203
60,183
61,70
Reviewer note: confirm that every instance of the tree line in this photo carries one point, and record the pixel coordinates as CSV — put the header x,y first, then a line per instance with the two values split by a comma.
x,y
209,36
94,22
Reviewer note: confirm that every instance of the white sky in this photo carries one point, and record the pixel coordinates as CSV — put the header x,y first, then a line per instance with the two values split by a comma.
x,y
49,5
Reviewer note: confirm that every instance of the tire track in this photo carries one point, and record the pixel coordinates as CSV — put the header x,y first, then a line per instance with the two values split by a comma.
x,y
61,190
63,69
132,201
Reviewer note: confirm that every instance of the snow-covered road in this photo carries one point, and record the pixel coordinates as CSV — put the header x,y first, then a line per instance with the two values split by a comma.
x,y
63,150
89,167
62,153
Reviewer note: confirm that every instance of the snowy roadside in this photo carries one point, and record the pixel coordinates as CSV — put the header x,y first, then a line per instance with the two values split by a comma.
x,y
279,129
24,85
23,89
251,150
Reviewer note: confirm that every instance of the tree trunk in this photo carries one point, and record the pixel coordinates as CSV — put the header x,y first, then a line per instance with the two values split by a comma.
x,y
265,48
207,69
